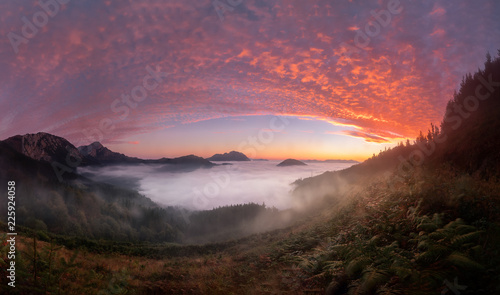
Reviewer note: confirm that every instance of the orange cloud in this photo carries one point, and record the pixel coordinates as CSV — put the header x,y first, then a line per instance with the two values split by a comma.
x,y
367,137
264,58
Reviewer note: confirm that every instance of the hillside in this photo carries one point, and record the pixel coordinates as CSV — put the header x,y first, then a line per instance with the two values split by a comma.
x,y
423,213
77,206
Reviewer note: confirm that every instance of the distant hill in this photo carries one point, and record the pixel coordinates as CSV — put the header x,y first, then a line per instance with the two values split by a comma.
x,y
97,153
50,148
291,162
231,156
191,162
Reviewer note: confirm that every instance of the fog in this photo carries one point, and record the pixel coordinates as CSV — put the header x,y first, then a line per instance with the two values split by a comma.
x,y
207,188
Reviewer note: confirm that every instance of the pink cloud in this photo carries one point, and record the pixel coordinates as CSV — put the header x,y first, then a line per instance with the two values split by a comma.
x,y
264,58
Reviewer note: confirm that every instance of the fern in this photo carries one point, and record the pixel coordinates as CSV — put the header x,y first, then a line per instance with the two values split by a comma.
x,y
357,265
373,278
465,238
464,262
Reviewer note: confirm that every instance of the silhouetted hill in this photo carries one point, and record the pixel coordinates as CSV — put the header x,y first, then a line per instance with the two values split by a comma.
x,y
17,166
471,126
64,202
182,164
58,151
291,162
188,160
43,146
231,156
468,141
97,153
76,205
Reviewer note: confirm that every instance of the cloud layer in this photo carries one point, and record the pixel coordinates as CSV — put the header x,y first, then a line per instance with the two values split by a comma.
x,y
264,57
204,189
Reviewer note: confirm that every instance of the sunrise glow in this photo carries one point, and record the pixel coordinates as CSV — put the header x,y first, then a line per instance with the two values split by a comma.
x,y
161,79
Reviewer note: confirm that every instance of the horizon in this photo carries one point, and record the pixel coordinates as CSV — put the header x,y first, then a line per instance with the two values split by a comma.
x,y
203,156
343,82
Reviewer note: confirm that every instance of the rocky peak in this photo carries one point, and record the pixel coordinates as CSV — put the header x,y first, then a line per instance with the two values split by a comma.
x,y
231,156
97,153
43,146
92,149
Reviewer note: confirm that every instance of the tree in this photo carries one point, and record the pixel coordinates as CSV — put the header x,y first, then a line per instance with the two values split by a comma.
x,y
421,137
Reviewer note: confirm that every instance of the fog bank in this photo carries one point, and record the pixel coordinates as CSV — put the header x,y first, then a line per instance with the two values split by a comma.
x,y
207,188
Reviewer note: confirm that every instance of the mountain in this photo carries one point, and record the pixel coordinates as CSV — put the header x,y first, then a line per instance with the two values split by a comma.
x,y
182,164
97,153
65,157
188,160
75,205
291,162
231,156
15,165
43,147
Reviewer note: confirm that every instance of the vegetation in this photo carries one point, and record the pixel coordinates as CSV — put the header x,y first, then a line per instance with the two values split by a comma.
x,y
411,238
234,221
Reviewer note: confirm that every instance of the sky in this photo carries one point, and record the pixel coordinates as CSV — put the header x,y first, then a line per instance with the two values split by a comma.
x,y
275,79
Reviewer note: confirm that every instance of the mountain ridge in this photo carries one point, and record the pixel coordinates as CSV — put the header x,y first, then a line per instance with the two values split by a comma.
x,y
57,150
231,156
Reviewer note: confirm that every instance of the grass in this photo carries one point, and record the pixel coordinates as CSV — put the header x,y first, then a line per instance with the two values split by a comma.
x,y
404,238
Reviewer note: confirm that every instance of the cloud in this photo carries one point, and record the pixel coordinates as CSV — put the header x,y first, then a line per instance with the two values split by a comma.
x,y
272,57
203,189
367,137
